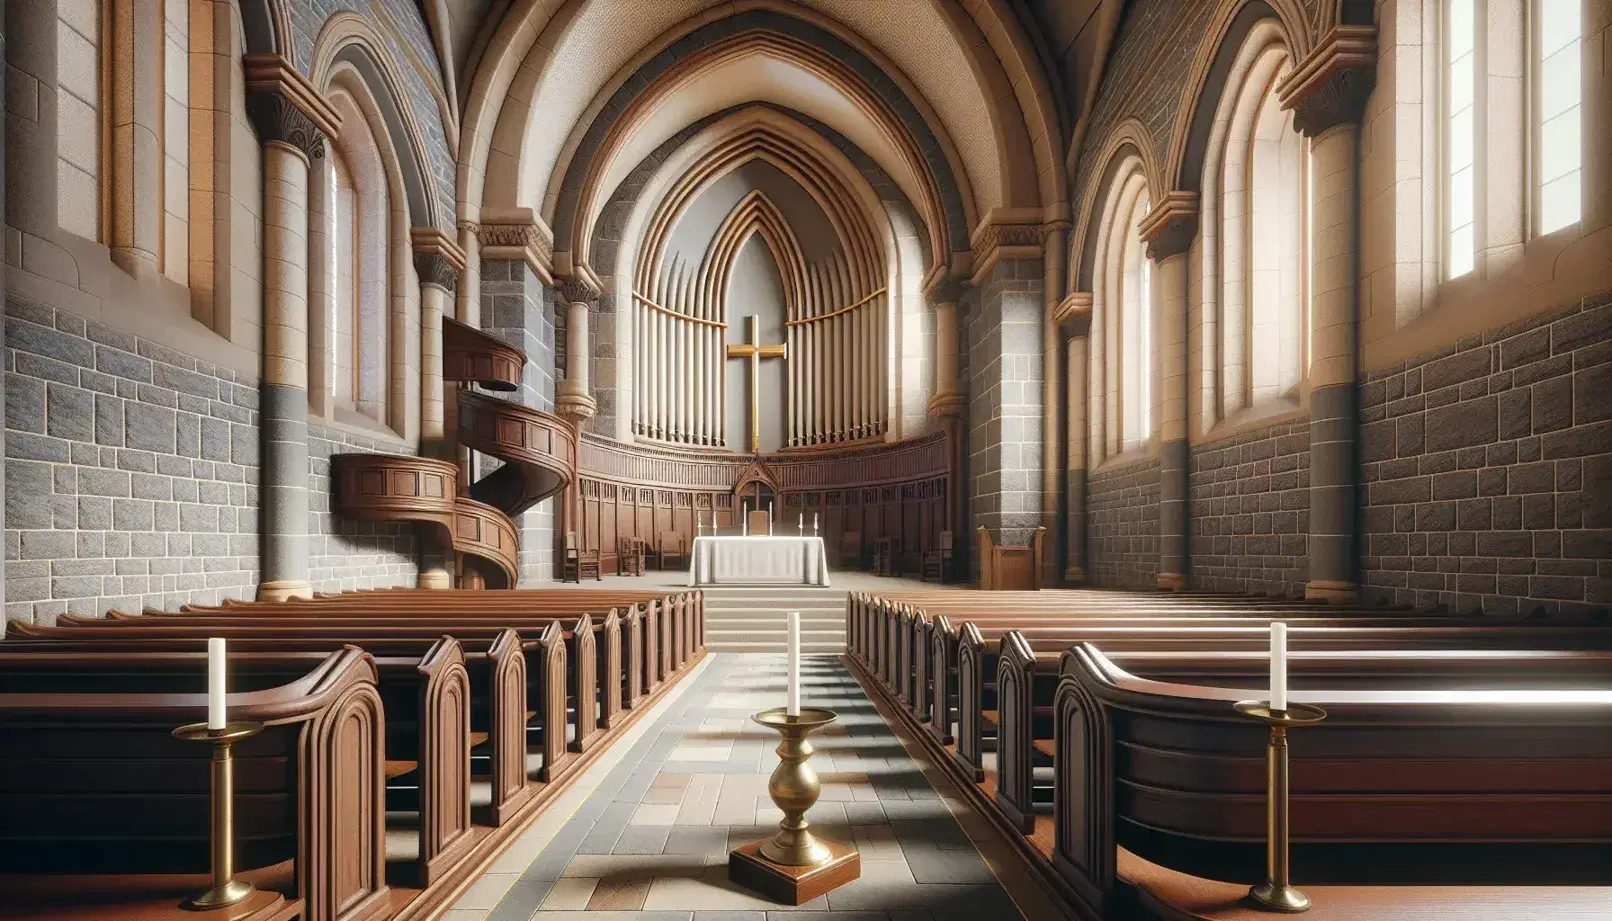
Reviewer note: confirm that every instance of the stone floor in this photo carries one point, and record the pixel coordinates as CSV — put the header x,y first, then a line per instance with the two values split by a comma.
x,y
650,840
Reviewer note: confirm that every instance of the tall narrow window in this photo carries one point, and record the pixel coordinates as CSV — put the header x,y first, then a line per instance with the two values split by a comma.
x,y
1460,127
1144,371
346,251
1559,96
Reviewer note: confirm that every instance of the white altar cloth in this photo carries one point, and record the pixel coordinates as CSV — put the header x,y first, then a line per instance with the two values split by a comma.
x,y
757,560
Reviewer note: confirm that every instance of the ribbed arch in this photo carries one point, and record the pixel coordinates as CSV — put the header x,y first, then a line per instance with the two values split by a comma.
x,y
1251,255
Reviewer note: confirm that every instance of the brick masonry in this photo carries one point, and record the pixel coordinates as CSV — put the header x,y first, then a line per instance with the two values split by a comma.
x,y
1250,511
1122,525
517,308
1004,410
1487,469
131,471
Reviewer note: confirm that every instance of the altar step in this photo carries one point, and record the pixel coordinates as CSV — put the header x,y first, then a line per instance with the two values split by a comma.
x,y
744,619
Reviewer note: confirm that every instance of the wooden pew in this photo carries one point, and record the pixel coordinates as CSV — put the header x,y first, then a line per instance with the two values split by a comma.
x,y
1513,786
427,720
93,779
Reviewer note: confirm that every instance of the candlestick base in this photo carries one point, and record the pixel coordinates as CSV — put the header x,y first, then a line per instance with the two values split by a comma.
x,y
226,889
1277,893
794,866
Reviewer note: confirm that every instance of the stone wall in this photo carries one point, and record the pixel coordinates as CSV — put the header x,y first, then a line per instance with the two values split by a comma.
x,y
1250,511
1487,469
517,308
344,554
131,471
1004,402
1122,525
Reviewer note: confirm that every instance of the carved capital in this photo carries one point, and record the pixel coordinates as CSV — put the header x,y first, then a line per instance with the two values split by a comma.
x,y
577,407
1073,313
1170,225
285,107
515,233
947,291
1331,85
579,289
438,257
947,404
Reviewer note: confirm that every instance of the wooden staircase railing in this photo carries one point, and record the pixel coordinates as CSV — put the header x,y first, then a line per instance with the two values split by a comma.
x,y
476,520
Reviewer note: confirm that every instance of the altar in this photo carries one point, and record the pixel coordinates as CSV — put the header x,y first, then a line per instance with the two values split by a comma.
x,y
758,560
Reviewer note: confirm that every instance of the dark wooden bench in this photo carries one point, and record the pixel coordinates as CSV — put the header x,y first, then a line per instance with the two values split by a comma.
x,y
92,779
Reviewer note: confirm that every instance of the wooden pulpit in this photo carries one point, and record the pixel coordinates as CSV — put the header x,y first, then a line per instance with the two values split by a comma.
x,y
1010,569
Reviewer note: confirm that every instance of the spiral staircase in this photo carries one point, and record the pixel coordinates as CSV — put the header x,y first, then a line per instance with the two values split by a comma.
x,y
539,451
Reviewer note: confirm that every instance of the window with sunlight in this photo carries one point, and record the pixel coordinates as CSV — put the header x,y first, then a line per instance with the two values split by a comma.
x,y
1559,101
1460,127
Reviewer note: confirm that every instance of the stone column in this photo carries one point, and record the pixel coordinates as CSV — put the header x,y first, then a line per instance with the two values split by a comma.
x,y
1168,230
136,101
1328,94
438,262
292,123
946,405
1073,318
1052,286
574,399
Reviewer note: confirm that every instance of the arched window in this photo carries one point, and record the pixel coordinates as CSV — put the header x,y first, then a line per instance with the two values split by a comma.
x,y
1558,92
1122,318
357,214
1254,253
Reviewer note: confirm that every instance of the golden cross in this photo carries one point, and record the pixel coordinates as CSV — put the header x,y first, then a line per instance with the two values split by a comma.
x,y
755,351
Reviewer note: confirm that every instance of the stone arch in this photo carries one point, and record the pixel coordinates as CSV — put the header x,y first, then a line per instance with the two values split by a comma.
x,y
348,41
1228,33
1129,138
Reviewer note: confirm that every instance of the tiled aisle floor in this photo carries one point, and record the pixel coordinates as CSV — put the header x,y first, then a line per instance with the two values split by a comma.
x,y
651,841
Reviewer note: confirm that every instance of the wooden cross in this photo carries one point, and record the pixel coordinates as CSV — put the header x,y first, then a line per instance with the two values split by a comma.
x,y
755,351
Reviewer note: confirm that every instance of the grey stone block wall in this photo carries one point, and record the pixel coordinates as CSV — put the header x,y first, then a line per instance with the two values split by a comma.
x,y
1004,408
342,554
1487,469
1250,511
517,308
131,471
1122,526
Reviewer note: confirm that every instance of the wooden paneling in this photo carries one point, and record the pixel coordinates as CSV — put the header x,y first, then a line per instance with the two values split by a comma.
x,y
896,490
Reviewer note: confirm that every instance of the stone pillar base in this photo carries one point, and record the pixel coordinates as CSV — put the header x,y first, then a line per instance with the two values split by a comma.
x,y
284,590
1172,581
436,579
1075,575
1331,592
578,407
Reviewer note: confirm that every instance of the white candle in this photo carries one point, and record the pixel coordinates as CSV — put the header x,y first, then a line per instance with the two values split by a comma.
x,y
744,517
793,620
814,522
769,519
1278,666
215,683
800,524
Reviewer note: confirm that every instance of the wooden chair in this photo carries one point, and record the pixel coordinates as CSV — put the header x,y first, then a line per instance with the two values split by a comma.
x,y
884,556
672,550
629,556
579,563
851,550
938,562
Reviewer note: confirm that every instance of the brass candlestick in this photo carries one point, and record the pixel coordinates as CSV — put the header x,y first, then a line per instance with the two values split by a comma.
x,y
1277,892
793,866
226,889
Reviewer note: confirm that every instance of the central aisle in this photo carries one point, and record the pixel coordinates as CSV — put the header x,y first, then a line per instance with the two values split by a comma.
x,y
651,840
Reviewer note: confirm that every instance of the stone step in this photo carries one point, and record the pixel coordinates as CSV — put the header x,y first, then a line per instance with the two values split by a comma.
x,y
805,648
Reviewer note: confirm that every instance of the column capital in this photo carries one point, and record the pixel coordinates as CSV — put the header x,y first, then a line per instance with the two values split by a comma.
x,y
438,258
1170,225
577,407
945,290
1073,313
285,107
579,288
1007,233
1331,85
947,404
515,233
